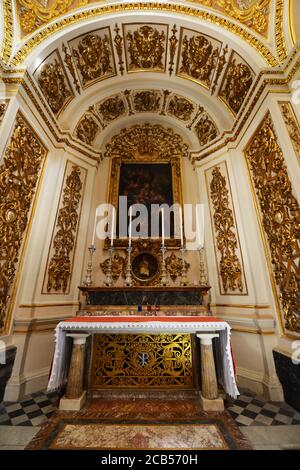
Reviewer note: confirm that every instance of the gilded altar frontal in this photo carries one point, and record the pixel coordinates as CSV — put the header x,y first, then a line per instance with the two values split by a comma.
x,y
142,361
150,225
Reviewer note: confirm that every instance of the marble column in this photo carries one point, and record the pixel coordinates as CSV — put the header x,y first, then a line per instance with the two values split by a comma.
x,y
75,395
209,395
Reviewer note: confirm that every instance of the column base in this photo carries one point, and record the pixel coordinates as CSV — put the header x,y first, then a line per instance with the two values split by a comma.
x,y
72,404
211,405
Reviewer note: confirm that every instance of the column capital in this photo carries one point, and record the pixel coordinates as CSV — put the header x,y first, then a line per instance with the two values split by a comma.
x,y
78,338
206,338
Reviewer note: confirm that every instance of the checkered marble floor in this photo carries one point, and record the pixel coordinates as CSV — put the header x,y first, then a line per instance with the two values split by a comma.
x,y
247,410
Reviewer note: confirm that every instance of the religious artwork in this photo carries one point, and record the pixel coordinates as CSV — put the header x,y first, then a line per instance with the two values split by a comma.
x,y
280,215
111,108
228,252
147,101
53,83
198,56
180,107
19,175
148,184
144,267
206,130
87,129
142,361
145,47
59,268
93,55
238,81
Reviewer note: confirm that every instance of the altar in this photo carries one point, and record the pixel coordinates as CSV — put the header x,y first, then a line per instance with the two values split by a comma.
x,y
74,364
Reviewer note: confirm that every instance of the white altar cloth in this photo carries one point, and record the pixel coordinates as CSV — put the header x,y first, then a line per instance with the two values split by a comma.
x,y
135,325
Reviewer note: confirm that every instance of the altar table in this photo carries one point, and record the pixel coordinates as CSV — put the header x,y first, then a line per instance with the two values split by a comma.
x,y
205,328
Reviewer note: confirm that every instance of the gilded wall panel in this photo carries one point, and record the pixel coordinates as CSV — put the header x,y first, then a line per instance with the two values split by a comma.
x,y
93,56
292,125
87,129
53,82
59,267
206,129
3,108
19,174
145,47
279,213
238,80
197,57
111,108
228,253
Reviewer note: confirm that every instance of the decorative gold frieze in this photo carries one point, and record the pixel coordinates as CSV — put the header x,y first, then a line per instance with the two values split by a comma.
x,y
69,63
292,125
228,251
146,47
180,107
147,101
238,80
219,69
118,40
206,129
198,56
59,268
53,83
19,174
117,266
148,140
111,108
280,216
93,55
3,108
87,129
142,361
174,266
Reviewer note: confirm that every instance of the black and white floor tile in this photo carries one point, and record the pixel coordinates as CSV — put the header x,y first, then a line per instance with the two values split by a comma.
x,y
247,410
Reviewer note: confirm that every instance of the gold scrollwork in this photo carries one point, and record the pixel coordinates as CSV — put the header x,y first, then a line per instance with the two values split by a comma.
x,y
280,213
60,265
3,108
117,266
206,129
239,78
52,82
87,129
19,173
146,48
174,266
180,107
147,101
231,272
111,108
173,46
139,361
292,125
118,40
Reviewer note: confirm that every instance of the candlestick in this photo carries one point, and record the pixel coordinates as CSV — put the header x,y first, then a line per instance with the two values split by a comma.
x,y
128,277
109,279
181,225
183,278
162,227
164,275
203,273
88,278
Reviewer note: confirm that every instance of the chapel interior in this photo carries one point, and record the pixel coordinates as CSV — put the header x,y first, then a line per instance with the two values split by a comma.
x,y
193,103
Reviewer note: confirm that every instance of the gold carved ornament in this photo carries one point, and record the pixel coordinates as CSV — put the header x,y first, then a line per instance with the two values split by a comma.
x,y
119,48
253,13
19,173
147,101
206,130
117,266
3,108
112,108
239,78
139,361
87,129
69,63
198,58
146,47
174,266
227,244
93,57
181,108
292,126
173,41
59,269
280,213
52,82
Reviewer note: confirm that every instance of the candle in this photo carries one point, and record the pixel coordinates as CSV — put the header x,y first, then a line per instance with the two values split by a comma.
x,y
181,225
112,227
162,227
130,225
200,225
